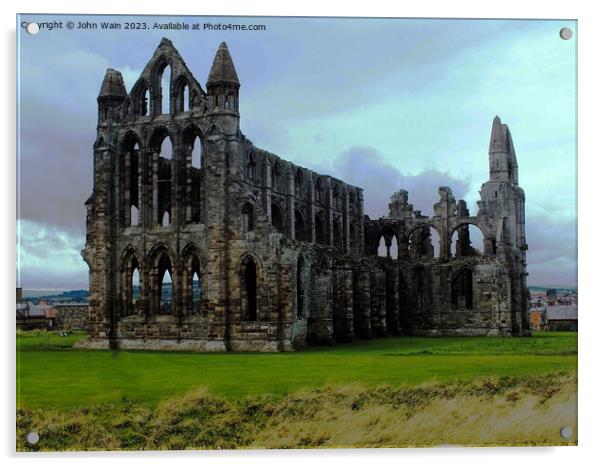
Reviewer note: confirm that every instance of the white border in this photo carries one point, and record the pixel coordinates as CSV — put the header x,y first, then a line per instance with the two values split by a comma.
x,y
590,80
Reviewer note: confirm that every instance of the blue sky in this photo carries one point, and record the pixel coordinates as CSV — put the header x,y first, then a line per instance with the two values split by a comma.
x,y
381,103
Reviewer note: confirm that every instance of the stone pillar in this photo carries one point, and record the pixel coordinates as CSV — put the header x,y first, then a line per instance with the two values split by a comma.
x,y
378,313
361,304
329,206
345,226
290,205
155,188
124,185
343,305
311,221
360,226
392,302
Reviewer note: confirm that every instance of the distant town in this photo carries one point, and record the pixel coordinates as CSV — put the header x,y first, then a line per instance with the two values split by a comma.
x,y
553,309
550,309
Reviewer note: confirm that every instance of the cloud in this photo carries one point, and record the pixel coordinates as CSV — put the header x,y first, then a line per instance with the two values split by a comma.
x,y
366,168
552,253
48,257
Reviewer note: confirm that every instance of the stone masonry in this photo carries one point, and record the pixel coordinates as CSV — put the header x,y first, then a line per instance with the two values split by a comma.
x,y
198,240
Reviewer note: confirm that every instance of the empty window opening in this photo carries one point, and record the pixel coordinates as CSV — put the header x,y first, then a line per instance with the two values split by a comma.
x,y
166,293
165,89
393,250
166,150
185,98
134,220
467,240
197,153
196,293
135,286
382,247
424,243
166,220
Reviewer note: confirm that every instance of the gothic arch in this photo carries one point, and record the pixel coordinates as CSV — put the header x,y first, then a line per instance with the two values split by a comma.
x,y
156,75
249,269
161,262
141,97
193,264
465,244
130,262
183,102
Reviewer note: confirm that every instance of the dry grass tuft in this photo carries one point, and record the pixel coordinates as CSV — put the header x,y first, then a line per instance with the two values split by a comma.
x,y
494,411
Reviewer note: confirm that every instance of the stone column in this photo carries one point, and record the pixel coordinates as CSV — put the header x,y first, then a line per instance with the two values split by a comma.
x,y
361,304
290,205
343,306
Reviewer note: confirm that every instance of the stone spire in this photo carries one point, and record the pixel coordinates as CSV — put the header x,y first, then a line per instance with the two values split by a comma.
x,y
500,141
112,85
222,70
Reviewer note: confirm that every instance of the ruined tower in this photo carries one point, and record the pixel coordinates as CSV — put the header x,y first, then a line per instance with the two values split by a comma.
x,y
197,239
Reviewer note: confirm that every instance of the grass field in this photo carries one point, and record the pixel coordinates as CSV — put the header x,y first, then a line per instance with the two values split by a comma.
x,y
50,373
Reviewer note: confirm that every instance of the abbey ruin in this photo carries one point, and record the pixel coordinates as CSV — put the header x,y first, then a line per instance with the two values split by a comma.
x,y
198,240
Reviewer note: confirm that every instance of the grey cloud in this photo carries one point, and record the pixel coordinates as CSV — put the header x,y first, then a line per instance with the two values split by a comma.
x,y
366,168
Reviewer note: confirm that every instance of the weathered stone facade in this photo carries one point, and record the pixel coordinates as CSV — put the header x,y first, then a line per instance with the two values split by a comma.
x,y
284,256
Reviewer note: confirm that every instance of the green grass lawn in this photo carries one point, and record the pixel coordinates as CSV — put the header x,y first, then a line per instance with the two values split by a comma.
x,y
51,373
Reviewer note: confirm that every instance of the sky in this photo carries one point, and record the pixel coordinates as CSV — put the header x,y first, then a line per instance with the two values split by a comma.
x,y
384,104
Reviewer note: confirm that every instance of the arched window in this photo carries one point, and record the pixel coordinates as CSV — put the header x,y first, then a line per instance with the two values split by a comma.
x,y
300,290
249,289
196,293
393,250
163,151
166,219
462,290
248,220
424,243
134,216
277,218
186,99
165,80
467,240
197,153
165,288
141,99
129,178
135,287
382,247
